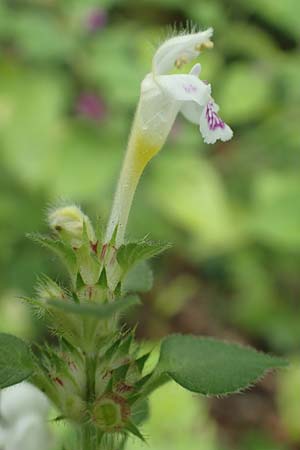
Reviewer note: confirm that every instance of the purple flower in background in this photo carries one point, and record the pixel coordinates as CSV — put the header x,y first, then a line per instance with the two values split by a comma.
x,y
90,106
96,19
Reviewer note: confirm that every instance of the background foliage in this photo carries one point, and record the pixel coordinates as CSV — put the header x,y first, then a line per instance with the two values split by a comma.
x,y
69,81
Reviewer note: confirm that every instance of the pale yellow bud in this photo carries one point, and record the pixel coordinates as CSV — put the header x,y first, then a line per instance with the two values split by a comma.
x,y
69,222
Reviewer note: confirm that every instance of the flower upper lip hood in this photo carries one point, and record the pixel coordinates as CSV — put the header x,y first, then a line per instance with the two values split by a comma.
x,y
164,95
180,49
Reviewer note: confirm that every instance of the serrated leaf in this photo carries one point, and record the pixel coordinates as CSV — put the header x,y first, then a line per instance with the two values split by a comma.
x,y
213,367
103,311
133,252
66,254
16,363
138,279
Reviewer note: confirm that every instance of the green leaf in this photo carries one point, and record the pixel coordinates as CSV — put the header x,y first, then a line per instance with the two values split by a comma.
x,y
138,279
213,367
103,311
129,254
16,363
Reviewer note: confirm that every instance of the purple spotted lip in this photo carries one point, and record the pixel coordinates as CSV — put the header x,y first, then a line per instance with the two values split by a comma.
x,y
213,120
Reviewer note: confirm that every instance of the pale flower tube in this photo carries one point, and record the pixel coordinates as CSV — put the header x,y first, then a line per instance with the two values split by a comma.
x,y
162,97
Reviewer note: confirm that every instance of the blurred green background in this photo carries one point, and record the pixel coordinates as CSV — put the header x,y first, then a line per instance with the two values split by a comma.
x,y
70,72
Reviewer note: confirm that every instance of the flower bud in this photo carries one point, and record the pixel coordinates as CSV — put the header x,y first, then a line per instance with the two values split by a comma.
x,y
111,412
69,223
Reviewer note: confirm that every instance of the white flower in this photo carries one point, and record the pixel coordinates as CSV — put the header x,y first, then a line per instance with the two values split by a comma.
x,y
23,418
163,96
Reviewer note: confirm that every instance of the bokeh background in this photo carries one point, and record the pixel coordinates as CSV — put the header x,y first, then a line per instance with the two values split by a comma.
x,y
70,72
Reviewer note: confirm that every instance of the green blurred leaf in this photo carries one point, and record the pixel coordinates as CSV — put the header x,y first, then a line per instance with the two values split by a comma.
x,y
31,122
275,218
192,195
283,15
42,36
64,252
213,367
263,48
16,363
107,63
245,94
103,311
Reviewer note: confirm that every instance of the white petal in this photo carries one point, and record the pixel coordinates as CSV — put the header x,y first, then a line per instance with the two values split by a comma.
x,y
212,126
191,110
29,433
156,112
183,48
21,399
3,437
196,70
185,88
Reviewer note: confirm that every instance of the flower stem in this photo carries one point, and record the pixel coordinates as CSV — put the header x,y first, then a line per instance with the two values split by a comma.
x,y
89,435
90,368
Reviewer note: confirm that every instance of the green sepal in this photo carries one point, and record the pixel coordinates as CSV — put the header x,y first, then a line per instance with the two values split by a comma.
x,y
111,351
63,251
213,367
125,345
102,282
141,383
140,362
119,374
88,264
109,386
133,429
